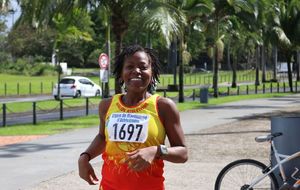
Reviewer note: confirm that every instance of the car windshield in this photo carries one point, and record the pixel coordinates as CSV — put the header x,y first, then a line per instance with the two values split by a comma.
x,y
67,81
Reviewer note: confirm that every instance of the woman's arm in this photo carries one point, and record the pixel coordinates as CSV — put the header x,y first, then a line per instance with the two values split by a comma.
x,y
96,148
141,159
170,117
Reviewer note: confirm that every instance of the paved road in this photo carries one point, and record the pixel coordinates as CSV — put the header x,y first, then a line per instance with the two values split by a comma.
x,y
26,164
192,119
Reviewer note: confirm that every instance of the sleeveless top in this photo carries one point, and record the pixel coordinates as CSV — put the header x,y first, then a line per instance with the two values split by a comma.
x,y
128,129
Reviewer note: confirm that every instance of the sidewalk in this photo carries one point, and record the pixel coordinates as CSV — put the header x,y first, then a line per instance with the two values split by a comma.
x,y
51,162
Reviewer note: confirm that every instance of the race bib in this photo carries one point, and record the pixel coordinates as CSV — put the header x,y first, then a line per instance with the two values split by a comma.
x,y
128,127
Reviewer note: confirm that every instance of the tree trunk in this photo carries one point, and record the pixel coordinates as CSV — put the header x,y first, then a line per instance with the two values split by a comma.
x,y
118,50
298,65
216,72
234,64
181,95
248,64
263,63
108,52
274,62
149,40
119,27
257,66
174,61
290,74
228,57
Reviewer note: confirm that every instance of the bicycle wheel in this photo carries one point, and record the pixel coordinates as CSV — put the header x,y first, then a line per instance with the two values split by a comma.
x,y
238,175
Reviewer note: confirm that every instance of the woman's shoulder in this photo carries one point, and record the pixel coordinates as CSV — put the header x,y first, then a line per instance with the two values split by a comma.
x,y
104,104
167,110
106,100
165,103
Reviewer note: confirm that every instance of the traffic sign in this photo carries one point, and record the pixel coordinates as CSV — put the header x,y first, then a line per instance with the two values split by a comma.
x,y
103,61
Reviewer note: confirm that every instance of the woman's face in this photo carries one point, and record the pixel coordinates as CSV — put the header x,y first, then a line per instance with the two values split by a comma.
x,y
137,72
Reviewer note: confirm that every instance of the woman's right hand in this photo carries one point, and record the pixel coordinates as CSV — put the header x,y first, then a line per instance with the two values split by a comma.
x,y
86,171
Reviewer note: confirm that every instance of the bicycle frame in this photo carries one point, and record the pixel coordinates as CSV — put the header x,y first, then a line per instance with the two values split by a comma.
x,y
279,163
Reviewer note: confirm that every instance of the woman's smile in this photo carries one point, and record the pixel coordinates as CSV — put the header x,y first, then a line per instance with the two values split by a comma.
x,y
137,72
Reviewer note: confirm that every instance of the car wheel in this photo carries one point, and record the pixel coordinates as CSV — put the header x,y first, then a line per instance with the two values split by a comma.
x,y
97,93
78,94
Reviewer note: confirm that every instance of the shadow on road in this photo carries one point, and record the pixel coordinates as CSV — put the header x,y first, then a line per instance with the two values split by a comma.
x,y
19,150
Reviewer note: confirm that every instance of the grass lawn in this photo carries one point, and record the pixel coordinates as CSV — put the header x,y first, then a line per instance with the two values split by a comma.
x,y
30,85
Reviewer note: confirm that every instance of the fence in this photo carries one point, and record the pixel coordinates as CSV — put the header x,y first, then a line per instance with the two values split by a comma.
x,y
60,111
63,110
203,79
36,88
239,90
26,89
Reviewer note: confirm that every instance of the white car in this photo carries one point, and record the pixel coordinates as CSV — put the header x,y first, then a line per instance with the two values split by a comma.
x,y
76,86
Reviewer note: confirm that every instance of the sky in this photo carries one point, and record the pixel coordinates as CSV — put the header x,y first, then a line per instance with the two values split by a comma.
x,y
11,18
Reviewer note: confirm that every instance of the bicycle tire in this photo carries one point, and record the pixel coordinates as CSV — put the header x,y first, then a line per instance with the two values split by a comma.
x,y
235,176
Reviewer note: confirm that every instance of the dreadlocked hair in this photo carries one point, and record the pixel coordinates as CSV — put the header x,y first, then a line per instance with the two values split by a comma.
x,y
129,51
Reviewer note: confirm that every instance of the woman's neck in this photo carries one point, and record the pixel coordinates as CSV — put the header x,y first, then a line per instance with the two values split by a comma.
x,y
132,99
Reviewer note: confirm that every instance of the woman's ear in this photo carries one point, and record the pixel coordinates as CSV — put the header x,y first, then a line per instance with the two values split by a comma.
x,y
121,82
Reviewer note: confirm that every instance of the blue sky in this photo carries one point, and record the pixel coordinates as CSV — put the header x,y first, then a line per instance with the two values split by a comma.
x,y
13,17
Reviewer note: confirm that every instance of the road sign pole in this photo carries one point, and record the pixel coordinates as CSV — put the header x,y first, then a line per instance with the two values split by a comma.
x,y
103,61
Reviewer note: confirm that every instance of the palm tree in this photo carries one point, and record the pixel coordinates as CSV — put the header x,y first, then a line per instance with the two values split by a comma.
x,y
237,36
41,13
105,16
193,11
258,24
157,15
286,30
171,21
266,16
215,33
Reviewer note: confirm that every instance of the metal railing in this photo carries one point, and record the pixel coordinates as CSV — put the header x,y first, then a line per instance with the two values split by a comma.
x,y
59,112
65,110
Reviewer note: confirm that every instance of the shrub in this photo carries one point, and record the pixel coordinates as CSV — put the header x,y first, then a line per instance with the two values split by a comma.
x,y
27,66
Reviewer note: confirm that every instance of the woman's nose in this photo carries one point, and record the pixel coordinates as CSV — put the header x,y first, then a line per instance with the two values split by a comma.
x,y
137,70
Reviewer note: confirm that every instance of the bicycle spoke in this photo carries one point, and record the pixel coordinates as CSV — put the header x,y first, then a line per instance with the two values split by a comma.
x,y
239,175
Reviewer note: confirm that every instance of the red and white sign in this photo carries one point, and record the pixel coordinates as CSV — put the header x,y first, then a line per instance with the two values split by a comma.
x,y
103,61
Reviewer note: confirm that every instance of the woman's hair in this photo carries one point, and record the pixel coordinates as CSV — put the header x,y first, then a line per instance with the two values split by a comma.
x,y
129,51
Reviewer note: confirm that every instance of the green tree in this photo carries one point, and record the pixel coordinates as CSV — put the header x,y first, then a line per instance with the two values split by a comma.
x,y
286,30
52,14
156,15
193,10
25,41
184,17
215,30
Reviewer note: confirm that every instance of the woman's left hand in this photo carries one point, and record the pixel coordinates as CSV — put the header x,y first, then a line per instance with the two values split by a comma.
x,y
141,159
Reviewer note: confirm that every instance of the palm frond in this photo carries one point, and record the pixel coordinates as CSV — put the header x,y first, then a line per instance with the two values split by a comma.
x,y
282,37
220,48
241,5
168,23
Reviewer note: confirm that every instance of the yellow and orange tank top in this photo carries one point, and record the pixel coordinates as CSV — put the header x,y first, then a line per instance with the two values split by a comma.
x,y
128,129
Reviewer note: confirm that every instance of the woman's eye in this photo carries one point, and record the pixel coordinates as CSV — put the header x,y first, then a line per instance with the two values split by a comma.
x,y
144,67
129,67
